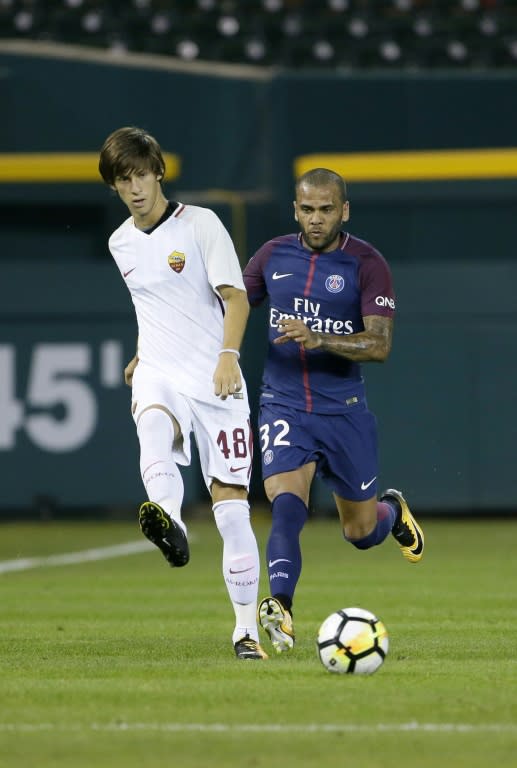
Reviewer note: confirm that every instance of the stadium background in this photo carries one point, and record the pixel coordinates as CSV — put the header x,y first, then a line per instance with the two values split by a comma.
x,y
236,134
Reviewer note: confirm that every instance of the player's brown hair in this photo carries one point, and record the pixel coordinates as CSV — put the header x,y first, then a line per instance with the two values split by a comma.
x,y
129,149
323,177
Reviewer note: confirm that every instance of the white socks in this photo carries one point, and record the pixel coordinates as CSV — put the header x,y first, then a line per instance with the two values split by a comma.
x,y
161,477
164,485
241,564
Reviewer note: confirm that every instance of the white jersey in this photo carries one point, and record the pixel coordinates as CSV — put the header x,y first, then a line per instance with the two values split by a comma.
x,y
172,274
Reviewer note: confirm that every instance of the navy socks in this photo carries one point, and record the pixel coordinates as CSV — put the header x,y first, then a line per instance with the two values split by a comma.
x,y
284,557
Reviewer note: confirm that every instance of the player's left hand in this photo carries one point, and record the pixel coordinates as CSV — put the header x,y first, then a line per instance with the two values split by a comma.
x,y
296,330
129,370
227,376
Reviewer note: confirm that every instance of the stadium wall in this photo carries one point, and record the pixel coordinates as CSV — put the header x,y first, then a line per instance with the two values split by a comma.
x,y
445,400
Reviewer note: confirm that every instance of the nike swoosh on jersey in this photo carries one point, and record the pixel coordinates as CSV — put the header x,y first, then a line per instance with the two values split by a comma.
x,y
364,485
279,560
277,276
128,272
238,469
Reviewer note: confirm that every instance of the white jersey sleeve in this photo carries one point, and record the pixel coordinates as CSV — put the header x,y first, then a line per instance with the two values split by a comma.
x,y
217,249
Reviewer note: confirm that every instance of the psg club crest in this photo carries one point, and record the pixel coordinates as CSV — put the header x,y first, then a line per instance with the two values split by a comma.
x,y
176,261
334,283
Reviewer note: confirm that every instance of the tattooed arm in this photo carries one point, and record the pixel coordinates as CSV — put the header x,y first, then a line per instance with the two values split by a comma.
x,y
372,344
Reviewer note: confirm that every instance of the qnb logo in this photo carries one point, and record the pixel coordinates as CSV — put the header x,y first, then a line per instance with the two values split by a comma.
x,y
384,301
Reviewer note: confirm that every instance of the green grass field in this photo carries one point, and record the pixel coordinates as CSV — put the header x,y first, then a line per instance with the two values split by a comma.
x,y
124,662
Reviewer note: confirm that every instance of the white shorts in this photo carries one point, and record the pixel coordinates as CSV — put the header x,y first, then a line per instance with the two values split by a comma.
x,y
222,429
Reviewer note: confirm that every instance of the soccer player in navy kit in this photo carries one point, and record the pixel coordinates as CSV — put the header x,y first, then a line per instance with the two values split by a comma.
x,y
331,307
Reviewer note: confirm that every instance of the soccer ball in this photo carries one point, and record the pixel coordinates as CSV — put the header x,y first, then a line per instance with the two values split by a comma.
x,y
352,641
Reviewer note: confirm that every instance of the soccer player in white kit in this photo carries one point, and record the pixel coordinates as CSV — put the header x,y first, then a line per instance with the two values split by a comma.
x,y
180,266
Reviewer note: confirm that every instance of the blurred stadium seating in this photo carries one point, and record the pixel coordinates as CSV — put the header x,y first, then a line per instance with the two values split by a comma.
x,y
365,34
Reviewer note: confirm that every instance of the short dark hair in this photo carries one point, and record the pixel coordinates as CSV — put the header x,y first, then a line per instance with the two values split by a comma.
x,y
323,177
129,149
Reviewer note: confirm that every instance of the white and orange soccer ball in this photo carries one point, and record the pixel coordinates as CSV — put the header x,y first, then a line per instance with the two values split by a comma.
x,y
352,641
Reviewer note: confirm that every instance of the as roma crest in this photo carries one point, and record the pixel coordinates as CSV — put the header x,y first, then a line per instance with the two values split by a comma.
x,y
176,261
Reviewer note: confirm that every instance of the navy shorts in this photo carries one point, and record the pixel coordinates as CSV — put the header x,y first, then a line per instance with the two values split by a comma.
x,y
344,447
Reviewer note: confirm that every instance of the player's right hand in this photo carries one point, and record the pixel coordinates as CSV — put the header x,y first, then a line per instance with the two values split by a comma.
x,y
296,330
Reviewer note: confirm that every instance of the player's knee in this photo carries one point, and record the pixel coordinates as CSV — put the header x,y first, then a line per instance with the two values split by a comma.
x,y
222,492
295,483
153,423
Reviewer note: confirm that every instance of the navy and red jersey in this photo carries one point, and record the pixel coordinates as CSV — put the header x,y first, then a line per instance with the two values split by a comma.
x,y
331,292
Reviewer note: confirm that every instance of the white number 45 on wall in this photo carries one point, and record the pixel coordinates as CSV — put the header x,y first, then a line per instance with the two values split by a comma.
x,y
54,382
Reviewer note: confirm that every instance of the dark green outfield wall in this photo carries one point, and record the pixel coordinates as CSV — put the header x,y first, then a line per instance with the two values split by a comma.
x,y
446,400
